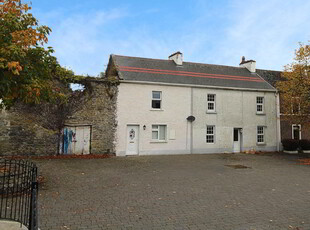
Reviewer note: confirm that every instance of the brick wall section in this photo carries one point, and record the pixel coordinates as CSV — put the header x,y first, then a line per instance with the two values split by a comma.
x,y
35,130
286,129
98,109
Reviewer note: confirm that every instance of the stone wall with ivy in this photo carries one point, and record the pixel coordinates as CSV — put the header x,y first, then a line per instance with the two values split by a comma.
x,y
97,108
36,129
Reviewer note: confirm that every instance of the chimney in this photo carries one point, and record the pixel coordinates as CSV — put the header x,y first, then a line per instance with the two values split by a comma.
x,y
177,57
250,64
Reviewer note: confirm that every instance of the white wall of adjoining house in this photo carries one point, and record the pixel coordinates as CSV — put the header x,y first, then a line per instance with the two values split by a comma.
x,y
234,109
134,107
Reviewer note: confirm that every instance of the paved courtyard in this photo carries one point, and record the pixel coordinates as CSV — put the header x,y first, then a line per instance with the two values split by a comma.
x,y
175,192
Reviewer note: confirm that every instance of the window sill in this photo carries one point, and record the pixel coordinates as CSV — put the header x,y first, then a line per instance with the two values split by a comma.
x,y
261,144
209,143
158,141
211,112
260,114
156,110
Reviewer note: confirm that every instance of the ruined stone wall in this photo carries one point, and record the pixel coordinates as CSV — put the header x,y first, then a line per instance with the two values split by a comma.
x,y
36,129
97,107
27,130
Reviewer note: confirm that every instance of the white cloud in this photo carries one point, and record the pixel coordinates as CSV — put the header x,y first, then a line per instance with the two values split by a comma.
x,y
267,31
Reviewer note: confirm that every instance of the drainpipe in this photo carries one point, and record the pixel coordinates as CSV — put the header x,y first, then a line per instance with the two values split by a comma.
x,y
191,118
278,124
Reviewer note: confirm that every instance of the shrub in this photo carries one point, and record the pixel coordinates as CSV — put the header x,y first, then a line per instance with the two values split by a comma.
x,y
290,144
304,144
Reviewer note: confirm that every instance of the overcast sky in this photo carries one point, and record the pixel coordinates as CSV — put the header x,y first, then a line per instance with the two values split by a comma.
x,y
85,33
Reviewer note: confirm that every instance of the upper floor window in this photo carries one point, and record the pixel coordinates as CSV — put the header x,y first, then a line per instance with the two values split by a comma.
x,y
211,103
159,132
156,99
210,137
295,105
260,104
260,134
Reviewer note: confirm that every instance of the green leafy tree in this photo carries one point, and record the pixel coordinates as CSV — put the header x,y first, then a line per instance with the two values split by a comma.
x,y
295,88
28,71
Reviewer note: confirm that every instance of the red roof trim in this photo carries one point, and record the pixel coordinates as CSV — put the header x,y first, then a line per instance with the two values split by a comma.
x,y
191,74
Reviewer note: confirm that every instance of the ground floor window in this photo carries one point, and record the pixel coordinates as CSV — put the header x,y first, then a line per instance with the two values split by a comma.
x,y
210,136
296,132
159,132
260,134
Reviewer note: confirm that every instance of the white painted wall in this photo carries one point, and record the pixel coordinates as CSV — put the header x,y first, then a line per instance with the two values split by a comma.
x,y
234,108
134,107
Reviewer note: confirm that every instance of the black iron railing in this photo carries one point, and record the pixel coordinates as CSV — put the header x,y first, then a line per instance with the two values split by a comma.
x,y
18,192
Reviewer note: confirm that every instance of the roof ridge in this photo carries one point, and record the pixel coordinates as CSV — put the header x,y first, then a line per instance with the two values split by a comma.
x,y
270,70
164,60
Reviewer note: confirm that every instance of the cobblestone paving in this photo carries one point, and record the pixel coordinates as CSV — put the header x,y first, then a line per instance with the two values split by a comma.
x,y
175,192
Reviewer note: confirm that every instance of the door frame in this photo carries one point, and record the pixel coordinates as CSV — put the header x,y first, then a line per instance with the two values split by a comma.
x,y
126,136
240,138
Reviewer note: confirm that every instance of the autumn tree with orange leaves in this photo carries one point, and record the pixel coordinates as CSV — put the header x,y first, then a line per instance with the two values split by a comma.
x,y
295,88
27,70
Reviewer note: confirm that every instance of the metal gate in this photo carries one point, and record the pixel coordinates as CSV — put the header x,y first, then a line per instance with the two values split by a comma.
x,y
18,191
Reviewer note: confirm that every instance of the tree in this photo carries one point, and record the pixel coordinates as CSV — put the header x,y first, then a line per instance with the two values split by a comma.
x,y
28,71
295,88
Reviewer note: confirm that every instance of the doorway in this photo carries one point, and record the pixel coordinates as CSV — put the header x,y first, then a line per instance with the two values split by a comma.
x,y
237,140
132,140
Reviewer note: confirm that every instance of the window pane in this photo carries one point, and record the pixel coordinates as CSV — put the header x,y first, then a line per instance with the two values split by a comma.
x,y
155,135
296,132
156,104
211,97
162,132
259,108
156,94
154,126
210,139
209,129
236,134
260,130
210,106
260,138
259,100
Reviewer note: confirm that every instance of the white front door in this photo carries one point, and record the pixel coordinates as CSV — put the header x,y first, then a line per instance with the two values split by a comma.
x,y
236,140
132,140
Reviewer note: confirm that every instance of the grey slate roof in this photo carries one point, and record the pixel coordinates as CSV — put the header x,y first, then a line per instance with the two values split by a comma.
x,y
271,76
166,71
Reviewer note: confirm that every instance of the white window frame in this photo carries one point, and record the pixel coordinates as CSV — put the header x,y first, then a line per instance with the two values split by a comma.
x,y
262,104
299,126
295,100
210,134
211,102
158,131
157,99
260,134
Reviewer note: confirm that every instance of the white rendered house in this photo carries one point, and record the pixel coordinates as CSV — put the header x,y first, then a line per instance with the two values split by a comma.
x,y
175,107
